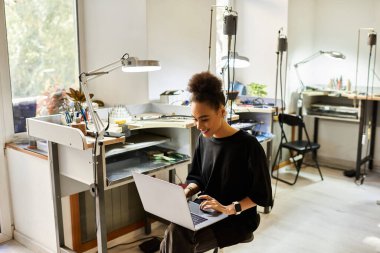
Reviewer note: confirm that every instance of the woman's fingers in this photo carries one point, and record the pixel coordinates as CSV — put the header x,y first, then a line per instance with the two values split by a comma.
x,y
207,204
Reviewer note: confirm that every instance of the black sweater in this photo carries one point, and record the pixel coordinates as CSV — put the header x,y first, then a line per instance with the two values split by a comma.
x,y
230,169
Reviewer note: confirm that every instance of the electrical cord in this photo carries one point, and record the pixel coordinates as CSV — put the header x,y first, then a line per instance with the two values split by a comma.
x,y
179,179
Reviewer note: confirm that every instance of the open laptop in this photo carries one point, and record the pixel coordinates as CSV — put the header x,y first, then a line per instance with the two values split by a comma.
x,y
168,201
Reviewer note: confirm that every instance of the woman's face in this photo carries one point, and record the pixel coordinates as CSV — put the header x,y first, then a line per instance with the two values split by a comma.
x,y
208,120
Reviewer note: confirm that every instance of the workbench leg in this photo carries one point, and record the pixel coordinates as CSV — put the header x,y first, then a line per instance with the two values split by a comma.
x,y
147,226
101,225
56,189
315,135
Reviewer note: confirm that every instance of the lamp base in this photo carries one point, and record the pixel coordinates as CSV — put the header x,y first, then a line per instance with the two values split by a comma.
x,y
349,173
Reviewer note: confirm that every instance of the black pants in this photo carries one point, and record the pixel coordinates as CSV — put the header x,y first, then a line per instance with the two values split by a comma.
x,y
182,240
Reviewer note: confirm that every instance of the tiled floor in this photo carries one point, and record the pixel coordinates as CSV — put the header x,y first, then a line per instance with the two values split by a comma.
x,y
313,216
13,247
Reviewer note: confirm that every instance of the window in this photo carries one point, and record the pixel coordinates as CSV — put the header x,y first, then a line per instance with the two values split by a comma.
x,y
43,56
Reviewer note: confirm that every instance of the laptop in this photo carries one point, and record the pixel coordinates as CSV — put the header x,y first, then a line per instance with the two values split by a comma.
x,y
168,201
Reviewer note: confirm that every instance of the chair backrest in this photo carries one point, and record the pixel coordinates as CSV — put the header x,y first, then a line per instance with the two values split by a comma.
x,y
291,120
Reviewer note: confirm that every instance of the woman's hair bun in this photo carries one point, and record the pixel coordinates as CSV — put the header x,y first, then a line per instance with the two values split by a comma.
x,y
205,87
205,82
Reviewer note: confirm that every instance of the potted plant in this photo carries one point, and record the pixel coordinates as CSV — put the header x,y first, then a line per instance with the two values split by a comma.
x,y
77,96
257,90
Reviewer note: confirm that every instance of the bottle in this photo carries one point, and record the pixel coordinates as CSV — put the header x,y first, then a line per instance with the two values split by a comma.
x,y
348,85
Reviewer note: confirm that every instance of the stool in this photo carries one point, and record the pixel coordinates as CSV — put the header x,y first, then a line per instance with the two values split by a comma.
x,y
249,239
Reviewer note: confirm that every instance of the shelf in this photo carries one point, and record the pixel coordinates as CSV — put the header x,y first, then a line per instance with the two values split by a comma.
x,y
250,108
135,142
120,168
161,123
49,128
331,118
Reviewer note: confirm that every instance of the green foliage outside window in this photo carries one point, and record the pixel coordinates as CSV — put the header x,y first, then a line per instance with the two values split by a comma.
x,y
42,45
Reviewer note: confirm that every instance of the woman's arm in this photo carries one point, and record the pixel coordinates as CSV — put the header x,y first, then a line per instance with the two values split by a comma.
x,y
212,203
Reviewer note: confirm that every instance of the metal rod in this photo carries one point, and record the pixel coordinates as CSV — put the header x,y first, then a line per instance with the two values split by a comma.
x,y
373,134
56,191
105,67
209,43
94,75
101,225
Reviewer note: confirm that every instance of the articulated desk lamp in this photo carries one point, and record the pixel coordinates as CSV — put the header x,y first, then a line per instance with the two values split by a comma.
x,y
128,64
333,54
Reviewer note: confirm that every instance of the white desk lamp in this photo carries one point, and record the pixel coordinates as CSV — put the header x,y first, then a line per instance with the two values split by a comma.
x,y
235,61
333,54
128,64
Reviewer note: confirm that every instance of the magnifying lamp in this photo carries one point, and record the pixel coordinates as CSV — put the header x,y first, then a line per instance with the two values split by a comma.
x,y
127,64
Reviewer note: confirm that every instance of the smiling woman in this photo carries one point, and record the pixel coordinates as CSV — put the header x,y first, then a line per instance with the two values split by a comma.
x,y
43,55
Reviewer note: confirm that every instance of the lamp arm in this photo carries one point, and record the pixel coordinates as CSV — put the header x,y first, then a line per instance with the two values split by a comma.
x,y
299,77
98,123
311,57
87,76
84,77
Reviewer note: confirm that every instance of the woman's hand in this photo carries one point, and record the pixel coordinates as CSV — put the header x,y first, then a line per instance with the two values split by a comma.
x,y
191,189
211,203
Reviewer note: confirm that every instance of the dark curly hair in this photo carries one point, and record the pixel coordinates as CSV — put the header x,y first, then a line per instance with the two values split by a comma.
x,y
205,87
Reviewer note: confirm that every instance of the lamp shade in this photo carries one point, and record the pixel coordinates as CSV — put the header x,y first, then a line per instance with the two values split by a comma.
x,y
334,54
236,60
133,64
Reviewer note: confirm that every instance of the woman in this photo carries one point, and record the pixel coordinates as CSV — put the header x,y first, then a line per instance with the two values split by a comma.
x,y
229,168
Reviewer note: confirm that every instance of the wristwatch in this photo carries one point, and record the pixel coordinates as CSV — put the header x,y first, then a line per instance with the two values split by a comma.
x,y
237,207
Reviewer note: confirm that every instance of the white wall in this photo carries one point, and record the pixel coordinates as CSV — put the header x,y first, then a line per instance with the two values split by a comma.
x,y
178,35
332,25
32,199
258,25
110,29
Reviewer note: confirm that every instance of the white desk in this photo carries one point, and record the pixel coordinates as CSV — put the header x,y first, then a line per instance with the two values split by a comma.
x,y
71,154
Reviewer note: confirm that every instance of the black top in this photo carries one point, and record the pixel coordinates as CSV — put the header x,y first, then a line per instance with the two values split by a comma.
x,y
230,169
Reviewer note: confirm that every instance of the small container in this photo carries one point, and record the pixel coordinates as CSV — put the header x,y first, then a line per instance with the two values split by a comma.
x,y
32,143
81,126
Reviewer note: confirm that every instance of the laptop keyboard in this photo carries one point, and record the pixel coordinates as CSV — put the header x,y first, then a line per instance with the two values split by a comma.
x,y
197,219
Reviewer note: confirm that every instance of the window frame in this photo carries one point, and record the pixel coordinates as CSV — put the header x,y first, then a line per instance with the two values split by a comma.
x,y
7,133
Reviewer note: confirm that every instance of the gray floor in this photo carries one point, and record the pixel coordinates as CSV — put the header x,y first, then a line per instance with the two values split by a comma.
x,y
334,215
